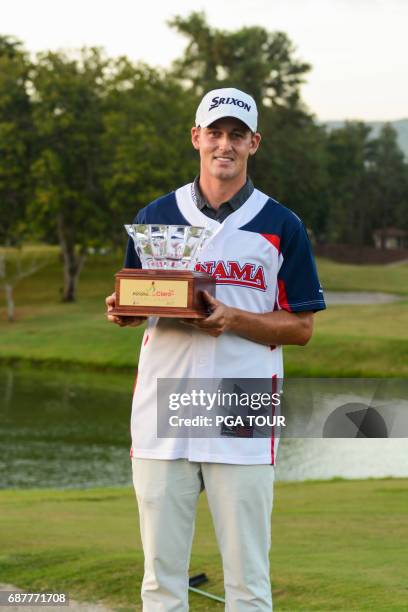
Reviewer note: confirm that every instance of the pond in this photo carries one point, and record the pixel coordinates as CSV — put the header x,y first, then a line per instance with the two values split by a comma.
x,y
64,429
71,429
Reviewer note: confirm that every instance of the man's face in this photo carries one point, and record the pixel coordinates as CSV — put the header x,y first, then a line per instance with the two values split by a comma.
x,y
224,148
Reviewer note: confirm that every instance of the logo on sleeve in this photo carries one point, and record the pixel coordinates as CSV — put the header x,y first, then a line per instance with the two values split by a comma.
x,y
232,273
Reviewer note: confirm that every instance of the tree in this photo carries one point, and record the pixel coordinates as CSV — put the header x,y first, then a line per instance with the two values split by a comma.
x,y
292,165
389,173
69,200
253,59
147,146
16,150
350,152
16,264
368,182
16,139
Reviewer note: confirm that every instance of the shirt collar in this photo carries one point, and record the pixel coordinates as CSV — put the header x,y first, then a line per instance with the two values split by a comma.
x,y
235,202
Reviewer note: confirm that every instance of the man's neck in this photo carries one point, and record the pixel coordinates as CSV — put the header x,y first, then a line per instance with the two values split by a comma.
x,y
216,191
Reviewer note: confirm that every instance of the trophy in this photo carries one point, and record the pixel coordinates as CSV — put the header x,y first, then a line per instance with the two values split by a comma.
x,y
167,285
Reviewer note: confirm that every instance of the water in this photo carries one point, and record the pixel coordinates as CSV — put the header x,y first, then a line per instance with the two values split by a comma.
x,y
67,430
322,459
64,430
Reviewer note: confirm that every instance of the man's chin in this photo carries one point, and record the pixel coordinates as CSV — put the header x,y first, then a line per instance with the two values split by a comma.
x,y
224,174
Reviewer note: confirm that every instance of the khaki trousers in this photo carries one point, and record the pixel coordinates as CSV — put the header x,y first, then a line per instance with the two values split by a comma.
x,y
240,500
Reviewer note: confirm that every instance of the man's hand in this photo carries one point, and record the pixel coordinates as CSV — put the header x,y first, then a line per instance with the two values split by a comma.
x,y
269,328
121,321
218,321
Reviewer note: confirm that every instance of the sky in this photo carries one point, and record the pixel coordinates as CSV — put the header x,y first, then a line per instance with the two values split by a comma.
x,y
358,48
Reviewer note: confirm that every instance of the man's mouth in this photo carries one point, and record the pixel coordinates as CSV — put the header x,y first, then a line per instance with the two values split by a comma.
x,y
223,158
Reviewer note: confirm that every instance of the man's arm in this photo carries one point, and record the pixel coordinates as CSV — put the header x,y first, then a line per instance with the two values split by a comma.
x,y
278,327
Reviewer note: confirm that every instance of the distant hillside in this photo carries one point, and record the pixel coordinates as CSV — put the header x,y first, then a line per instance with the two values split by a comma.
x,y
401,127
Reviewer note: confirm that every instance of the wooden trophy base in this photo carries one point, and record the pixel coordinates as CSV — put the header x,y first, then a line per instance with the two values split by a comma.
x,y
163,293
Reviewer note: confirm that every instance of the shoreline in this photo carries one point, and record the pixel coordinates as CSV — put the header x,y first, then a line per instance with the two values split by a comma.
x,y
29,363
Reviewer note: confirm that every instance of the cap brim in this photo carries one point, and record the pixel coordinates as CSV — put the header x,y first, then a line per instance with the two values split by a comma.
x,y
224,115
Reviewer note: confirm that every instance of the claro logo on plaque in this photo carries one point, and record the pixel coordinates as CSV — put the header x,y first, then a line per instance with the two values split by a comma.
x,y
140,292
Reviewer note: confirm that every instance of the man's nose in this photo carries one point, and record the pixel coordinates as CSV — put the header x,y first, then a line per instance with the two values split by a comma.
x,y
225,143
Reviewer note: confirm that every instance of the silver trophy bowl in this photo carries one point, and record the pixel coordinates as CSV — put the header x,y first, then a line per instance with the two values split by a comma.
x,y
168,247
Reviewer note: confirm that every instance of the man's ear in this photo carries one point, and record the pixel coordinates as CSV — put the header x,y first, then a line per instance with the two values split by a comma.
x,y
195,137
255,142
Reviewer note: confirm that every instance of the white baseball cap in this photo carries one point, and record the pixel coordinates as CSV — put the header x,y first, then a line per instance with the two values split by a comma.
x,y
227,102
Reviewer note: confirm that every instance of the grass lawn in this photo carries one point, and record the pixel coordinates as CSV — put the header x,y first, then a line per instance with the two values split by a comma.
x,y
348,340
346,277
353,341
338,545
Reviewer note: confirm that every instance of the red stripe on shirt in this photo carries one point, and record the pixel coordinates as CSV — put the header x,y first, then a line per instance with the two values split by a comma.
x,y
134,391
282,296
274,390
273,239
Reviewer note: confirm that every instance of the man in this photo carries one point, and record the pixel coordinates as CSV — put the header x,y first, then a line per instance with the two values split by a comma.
x,y
267,291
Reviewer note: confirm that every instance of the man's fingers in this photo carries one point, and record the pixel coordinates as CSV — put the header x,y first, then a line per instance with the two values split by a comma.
x,y
110,301
114,319
210,299
126,321
135,321
211,320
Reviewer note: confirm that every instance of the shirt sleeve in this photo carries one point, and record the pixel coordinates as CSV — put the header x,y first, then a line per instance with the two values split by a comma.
x,y
132,259
298,286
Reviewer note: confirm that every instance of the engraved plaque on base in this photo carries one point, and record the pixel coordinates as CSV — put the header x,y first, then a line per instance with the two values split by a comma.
x,y
167,285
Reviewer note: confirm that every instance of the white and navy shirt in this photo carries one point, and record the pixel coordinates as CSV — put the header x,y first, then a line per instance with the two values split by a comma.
x,y
261,259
